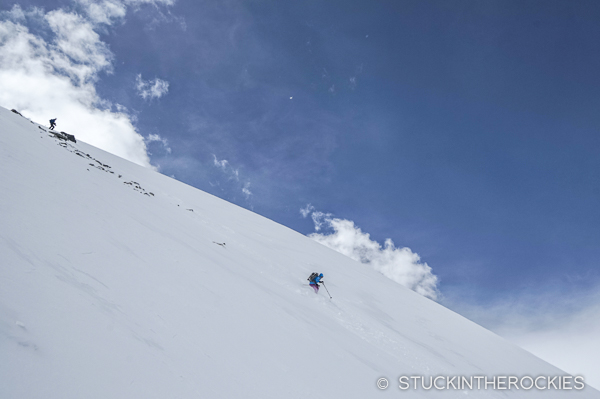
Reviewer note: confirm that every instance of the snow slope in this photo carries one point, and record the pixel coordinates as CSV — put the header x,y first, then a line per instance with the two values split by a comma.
x,y
112,286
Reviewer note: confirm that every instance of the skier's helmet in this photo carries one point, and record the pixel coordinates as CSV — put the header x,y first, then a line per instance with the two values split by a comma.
x,y
321,275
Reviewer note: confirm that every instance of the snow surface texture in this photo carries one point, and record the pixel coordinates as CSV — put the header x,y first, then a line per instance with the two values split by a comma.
x,y
113,285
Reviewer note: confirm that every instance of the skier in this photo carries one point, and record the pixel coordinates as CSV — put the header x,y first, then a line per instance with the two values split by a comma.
x,y
314,280
52,123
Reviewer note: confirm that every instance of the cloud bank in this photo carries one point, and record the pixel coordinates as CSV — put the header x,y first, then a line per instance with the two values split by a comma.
x,y
399,264
562,330
567,345
52,73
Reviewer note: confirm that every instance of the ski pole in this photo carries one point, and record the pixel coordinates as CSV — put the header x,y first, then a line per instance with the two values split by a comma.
x,y
330,297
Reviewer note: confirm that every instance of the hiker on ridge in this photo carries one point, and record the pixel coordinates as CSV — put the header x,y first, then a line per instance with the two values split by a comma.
x,y
52,123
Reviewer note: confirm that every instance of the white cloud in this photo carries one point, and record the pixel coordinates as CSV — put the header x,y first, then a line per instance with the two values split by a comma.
x,y
103,12
399,264
150,89
53,74
353,82
320,219
17,14
246,190
306,210
233,178
220,164
156,138
234,174
77,50
106,11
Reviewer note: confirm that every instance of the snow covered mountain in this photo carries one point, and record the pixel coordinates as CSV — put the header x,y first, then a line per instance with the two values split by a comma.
x,y
113,284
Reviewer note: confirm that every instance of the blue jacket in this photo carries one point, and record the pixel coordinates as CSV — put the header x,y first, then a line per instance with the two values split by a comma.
x,y
316,280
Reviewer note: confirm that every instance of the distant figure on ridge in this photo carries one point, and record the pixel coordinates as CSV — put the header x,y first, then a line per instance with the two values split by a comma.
x,y
314,280
52,123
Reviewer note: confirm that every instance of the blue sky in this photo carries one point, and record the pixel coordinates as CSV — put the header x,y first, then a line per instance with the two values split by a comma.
x,y
467,131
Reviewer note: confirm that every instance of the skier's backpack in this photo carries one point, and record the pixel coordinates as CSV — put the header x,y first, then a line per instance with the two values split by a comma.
x,y
312,277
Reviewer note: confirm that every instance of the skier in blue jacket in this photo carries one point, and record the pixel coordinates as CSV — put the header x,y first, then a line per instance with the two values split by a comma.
x,y
315,282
